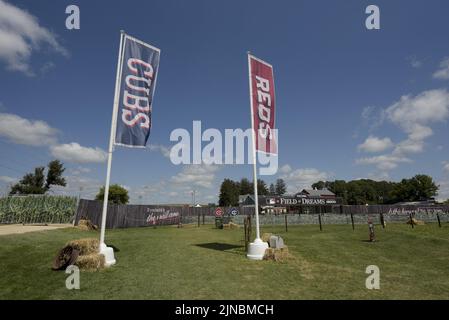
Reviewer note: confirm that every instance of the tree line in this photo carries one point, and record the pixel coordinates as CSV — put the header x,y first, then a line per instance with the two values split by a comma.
x,y
365,191
39,183
230,190
355,192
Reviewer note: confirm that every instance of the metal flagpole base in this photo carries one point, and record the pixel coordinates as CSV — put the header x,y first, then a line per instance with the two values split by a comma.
x,y
256,249
108,253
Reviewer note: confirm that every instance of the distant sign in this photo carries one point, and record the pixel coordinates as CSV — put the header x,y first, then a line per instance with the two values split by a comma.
x,y
304,201
233,212
218,212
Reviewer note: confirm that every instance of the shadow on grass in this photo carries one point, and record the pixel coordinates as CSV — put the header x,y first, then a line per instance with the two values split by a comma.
x,y
218,246
114,248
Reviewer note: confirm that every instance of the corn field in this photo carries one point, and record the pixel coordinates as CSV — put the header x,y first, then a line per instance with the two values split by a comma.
x,y
37,209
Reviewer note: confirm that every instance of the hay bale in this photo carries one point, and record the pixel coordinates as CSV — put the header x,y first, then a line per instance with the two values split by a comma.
x,y
85,246
266,237
269,254
226,226
277,254
94,261
233,225
415,222
86,225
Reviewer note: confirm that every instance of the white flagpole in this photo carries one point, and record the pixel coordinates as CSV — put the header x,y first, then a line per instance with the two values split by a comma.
x,y
109,252
253,135
257,248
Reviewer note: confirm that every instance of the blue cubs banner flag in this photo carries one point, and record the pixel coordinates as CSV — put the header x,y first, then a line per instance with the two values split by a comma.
x,y
137,80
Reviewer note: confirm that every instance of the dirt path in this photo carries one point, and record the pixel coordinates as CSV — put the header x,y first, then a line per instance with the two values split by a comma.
x,y
19,228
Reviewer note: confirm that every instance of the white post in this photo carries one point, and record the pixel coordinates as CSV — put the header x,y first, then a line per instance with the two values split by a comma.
x,y
107,251
256,249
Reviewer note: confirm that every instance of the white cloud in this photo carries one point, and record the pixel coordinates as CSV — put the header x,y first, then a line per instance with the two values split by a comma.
x,y
196,175
379,176
443,191
414,115
375,144
285,169
178,189
7,180
443,72
165,151
446,166
29,132
414,62
367,112
383,162
303,178
80,170
372,117
409,146
73,152
20,35
77,185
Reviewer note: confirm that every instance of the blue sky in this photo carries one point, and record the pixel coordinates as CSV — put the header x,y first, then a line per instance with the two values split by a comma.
x,y
351,103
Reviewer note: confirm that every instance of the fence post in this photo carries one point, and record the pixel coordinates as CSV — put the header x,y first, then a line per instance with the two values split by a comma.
x,y
439,221
382,220
249,228
352,222
286,227
244,232
411,221
319,219
198,219
204,215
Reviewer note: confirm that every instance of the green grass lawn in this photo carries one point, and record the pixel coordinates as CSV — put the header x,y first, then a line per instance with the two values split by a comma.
x,y
206,263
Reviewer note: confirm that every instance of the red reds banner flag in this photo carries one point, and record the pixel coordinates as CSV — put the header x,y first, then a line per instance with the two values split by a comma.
x,y
261,83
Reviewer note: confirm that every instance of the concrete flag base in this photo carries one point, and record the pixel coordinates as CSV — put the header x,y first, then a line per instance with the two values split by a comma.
x,y
108,253
256,249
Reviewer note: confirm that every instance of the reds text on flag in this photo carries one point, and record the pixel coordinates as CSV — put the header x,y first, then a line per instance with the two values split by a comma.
x,y
263,105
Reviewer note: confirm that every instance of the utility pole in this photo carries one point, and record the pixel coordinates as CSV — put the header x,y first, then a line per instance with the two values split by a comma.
x,y
193,197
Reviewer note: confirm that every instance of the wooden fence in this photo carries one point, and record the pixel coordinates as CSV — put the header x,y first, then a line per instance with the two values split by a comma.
x,y
124,216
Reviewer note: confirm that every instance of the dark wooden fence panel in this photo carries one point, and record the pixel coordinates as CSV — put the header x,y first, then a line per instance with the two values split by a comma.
x,y
126,216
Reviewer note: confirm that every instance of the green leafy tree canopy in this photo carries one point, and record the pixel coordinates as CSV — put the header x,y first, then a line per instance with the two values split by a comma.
x,y
37,183
117,194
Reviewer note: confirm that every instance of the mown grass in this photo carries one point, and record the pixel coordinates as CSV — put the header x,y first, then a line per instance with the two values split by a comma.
x,y
206,263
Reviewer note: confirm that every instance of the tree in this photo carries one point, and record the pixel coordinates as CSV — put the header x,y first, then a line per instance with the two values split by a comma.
x,y
229,193
37,183
117,194
318,185
420,187
272,190
30,183
245,187
363,191
262,189
54,175
281,187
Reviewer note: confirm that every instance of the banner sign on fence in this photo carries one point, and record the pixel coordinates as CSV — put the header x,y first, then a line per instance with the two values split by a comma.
x,y
263,105
159,216
218,212
138,73
233,212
